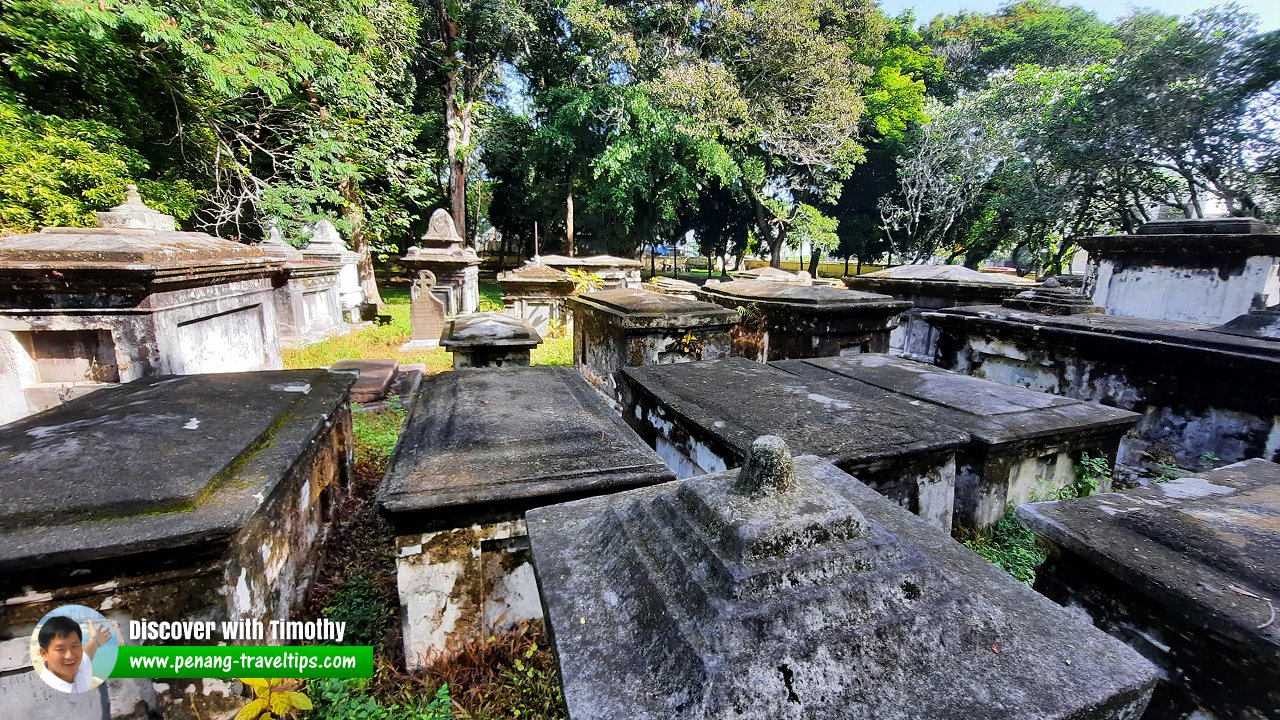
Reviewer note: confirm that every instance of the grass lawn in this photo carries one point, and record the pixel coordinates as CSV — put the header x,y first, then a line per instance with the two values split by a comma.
x,y
385,341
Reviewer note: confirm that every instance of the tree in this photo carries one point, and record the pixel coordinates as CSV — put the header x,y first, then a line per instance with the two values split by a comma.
x,y
463,41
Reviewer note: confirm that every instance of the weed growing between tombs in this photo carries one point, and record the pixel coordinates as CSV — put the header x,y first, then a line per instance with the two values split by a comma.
x,y
384,341
504,676
1011,545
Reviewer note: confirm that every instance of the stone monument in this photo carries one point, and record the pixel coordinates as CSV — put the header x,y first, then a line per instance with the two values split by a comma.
x,y
783,320
1023,444
790,590
489,339
306,292
614,272
481,447
702,417
929,287
1203,270
174,498
327,245
427,312
536,293
1184,571
613,329
81,308
454,267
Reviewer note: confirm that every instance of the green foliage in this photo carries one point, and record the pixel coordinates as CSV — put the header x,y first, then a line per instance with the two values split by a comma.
x,y
1009,545
350,699
273,700
1091,472
511,674
376,433
364,608
490,297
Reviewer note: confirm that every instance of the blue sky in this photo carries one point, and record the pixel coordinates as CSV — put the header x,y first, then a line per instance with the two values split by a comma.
x,y
1268,11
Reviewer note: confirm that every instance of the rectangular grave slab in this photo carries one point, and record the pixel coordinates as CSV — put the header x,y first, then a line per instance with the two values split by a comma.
x,y
785,320
481,447
621,328
373,377
1184,571
702,417
1023,444
1202,393
767,595
173,498
929,287
1200,270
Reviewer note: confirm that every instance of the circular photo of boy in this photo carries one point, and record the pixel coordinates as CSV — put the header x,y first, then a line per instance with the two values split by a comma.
x,y
73,648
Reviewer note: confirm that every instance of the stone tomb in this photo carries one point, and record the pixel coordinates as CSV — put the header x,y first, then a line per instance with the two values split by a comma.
x,y
621,328
790,590
702,417
453,267
672,286
1023,443
190,498
480,447
427,313
326,246
784,320
1186,572
614,272
489,339
929,287
1206,394
308,306
536,293
1208,271
81,308
773,274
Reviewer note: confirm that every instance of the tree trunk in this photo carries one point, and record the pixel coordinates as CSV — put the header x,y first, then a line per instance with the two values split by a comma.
x,y
457,118
568,218
815,257
846,266
775,247
858,271
353,213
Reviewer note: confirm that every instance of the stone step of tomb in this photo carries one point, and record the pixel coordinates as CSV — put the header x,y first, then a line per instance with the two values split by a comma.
x,y
373,377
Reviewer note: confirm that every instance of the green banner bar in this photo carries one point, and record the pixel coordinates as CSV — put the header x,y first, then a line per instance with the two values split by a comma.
x,y
249,661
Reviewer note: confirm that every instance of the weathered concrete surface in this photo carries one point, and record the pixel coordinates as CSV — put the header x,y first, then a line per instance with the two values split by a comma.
x,y
786,320
497,441
307,298
489,339
480,447
1023,443
1208,270
1260,324
614,272
83,307
1202,394
929,287
699,600
621,328
673,286
535,293
772,274
455,267
327,246
702,418
373,377
1186,572
174,498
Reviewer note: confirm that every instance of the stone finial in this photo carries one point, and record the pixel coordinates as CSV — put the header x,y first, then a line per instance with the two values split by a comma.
x,y
274,241
441,232
133,214
769,468
325,234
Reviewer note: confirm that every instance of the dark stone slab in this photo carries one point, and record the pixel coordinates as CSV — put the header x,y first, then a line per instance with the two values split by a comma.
x,y
494,442
1200,391
1023,442
785,320
1260,324
1182,571
705,416
1208,226
161,462
640,309
804,595
373,377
